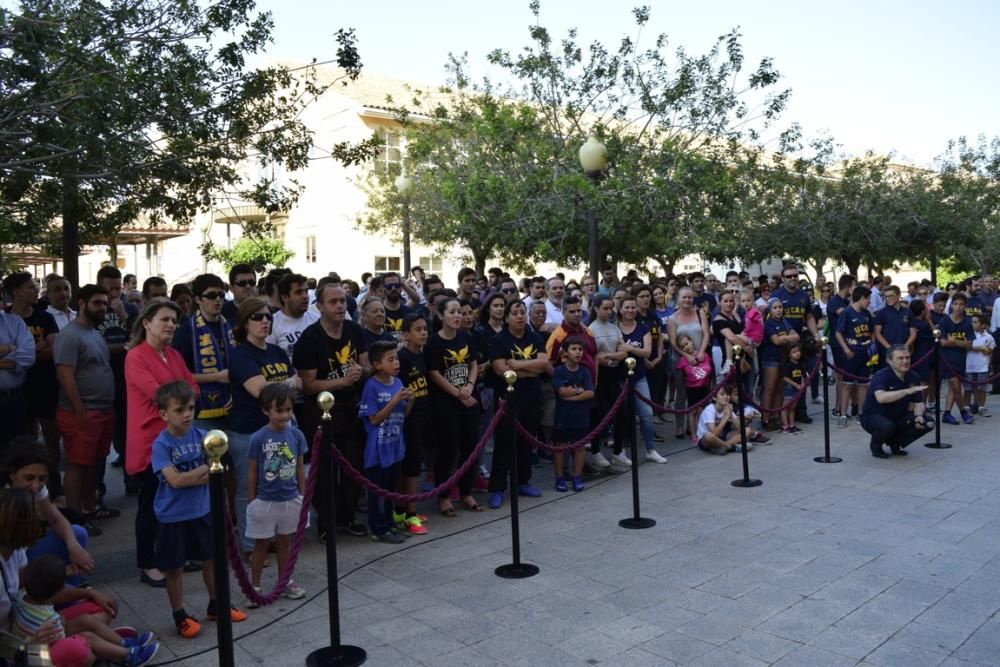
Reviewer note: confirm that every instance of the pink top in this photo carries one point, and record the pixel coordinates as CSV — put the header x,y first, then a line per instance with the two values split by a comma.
x,y
145,372
697,375
753,326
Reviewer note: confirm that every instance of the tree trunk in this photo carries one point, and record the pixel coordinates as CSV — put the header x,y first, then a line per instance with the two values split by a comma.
x,y
666,264
852,264
479,256
71,234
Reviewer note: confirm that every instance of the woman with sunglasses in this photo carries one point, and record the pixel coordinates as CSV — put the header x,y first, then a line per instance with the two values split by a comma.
x,y
254,363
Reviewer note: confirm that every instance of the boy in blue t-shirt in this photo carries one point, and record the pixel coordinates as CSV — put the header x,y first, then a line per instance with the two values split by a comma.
x,y
182,504
383,409
573,389
276,481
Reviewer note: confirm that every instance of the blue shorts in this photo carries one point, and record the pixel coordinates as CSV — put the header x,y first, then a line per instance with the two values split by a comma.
x,y
564,435
767,363
857,365
789,392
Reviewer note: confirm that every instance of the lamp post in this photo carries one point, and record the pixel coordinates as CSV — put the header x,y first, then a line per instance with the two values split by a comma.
x,y
403,186
593,159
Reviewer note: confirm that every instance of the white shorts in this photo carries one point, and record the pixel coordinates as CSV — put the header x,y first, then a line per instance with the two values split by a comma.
x,y
267,518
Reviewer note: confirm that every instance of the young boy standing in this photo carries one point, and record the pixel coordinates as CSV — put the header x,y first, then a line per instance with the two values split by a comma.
x,y
383,408
977,365
276,482
182,504
573,389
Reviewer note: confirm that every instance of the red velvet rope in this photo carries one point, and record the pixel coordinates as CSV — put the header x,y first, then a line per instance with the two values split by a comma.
x,y
661,409
964,379
285,576
400,498
604,423
792,401
851,376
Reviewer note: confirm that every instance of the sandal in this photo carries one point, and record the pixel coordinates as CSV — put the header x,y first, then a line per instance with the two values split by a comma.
x,y
448,511
103,512
469,503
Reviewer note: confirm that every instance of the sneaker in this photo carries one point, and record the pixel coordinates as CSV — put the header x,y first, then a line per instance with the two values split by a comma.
x,y
561,484
967,418
974,409
795,430
249,603
817,401
842,421
413,526
138,640
759,438
529,491
739,448
787,429
727,366
621,460
577,483
235,615
835,412
654,456
948,418
141,655
984,412
189,628
496,500
388,537
294,592
598,461
355,528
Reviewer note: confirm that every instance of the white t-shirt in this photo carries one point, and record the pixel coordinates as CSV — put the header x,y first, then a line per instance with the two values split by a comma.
x,y
10,582
977,362
286,331
553,314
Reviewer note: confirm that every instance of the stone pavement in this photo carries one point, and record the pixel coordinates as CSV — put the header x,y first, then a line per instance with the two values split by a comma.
x,y
865,562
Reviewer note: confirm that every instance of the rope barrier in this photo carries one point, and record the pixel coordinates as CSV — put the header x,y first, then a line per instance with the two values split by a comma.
x,y
922,360
400,498
792,401
662,409
285,575
966,380
583,442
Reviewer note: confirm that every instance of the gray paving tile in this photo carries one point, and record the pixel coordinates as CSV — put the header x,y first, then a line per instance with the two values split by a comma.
x,y
677,646
896,652
762,645
807,656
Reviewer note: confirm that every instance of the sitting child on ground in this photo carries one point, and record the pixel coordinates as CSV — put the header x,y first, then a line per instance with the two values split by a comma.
x,y
718,429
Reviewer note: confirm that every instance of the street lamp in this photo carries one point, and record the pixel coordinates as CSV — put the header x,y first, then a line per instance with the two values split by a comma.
x,y
593,159
403,186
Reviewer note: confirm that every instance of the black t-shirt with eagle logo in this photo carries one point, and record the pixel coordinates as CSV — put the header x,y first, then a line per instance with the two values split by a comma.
x,y
394,321
332,358
506,345
452,358
413,375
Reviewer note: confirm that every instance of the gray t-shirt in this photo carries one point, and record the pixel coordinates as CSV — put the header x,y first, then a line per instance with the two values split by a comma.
x,y
84,349
607,335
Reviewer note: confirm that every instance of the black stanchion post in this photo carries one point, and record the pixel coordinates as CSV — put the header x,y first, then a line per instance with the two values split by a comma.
x,y
937,444
738,364
517,569
826,458
634,522
341,655
215,444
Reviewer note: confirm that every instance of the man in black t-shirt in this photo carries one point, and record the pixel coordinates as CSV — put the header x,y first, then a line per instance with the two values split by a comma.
x,y
893,412
331,355
395,310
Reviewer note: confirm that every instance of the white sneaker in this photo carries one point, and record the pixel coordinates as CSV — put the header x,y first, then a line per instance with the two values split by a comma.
x,y
598,461
842,421
250,604
654,456
739,448
293,592
621,460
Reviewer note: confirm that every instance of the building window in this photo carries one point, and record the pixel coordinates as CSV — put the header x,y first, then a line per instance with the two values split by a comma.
x,y
384,264
431,264
388,161
311,249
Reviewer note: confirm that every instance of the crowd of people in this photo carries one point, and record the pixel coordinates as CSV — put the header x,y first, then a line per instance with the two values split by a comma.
x,y
417,371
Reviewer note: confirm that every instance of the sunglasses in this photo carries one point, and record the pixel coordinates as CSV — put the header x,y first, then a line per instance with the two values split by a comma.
x,y
393,286
212,296
789,276
245,283
509,290
260,317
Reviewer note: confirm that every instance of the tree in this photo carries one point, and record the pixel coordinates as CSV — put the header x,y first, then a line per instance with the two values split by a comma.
x,y
260,252
124,108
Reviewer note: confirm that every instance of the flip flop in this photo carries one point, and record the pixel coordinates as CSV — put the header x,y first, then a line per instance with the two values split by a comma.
x,y
471,507
448,511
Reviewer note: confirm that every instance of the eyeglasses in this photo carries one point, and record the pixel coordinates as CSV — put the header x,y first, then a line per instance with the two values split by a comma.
x,y
260,317
789,276
393,286
245,283
509,290
212,296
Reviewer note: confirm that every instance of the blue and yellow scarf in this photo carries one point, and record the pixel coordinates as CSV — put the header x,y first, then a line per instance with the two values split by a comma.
x,y
210,357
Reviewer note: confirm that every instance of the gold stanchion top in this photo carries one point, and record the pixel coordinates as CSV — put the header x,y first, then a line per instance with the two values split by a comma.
x,y
937,335
215,443
325,402
824,341
510,377
737,352
630,365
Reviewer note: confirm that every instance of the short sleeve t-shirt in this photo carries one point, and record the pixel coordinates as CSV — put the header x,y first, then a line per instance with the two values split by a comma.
x,y
798,305
452,358
249,361
705,302
184,453
979,362
634,340
707,420
332,359
277,454
526,347
855,327
571,414
286,331
413,374
962,330
895,323
40,383
887,380
84,349
793,371
774,327
384,444
10,582
394,321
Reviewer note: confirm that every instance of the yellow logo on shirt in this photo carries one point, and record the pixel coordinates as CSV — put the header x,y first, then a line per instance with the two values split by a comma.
x,y
458,357
528,353
345,355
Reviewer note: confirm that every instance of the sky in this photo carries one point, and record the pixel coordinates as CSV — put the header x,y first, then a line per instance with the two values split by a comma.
x,y
885,75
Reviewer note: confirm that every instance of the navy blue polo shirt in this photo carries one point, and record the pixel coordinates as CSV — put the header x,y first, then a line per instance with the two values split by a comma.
x,y
887,380
797,305
855,327
895,324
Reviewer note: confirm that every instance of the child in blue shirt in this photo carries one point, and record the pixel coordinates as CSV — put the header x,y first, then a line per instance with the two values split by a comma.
x,y
573,389
276,481
182,504
383,409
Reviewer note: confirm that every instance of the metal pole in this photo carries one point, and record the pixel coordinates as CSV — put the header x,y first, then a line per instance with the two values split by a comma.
x,y
592,249
517,569
406,238
635,522
746,481
826,458
937,444
215,444
341,655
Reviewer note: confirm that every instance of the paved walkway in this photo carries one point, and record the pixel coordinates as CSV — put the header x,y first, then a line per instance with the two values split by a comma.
x,y
870,562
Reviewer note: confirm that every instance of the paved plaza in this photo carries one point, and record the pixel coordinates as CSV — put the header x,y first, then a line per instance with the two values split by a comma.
x,y
865,562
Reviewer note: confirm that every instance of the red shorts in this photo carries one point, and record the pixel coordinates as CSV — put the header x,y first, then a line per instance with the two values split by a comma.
x,y
81,608
86,447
